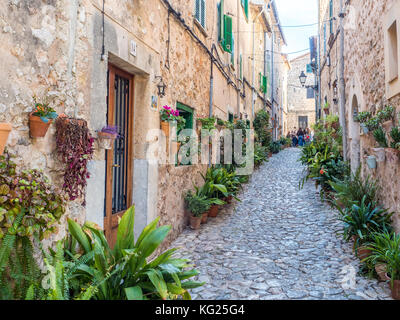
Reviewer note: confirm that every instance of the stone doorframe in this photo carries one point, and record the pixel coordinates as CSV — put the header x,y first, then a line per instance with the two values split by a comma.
x,y
355,102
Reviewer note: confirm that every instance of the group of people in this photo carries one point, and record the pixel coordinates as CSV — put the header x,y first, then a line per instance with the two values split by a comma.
x,y
300,137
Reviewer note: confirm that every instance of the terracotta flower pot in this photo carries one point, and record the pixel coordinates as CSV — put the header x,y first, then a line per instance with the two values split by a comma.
x,y
204,217
213,211
363,252
229,199
380,269
5,129
38,128
326,111
395,288
195,222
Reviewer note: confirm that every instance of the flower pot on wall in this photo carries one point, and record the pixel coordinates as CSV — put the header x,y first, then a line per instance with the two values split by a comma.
x,y
38,128
5,129
165,128
326,111
380,154
105,140
371,162
364,128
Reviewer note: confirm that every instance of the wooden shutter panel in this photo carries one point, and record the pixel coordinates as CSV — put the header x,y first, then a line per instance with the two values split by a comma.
x,y
264,84
246,8
227,34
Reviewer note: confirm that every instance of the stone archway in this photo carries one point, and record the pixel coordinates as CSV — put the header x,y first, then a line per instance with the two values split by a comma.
x,y
355,106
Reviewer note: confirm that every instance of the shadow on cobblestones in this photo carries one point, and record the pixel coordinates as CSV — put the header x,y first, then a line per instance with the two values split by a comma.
x,y
278,243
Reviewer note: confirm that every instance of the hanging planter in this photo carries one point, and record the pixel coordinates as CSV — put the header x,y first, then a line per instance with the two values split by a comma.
x,y
5,129
106,137
371,162
379,154
40,119
364,128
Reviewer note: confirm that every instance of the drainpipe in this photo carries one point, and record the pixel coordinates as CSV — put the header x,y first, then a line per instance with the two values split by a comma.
x,y
265,66
319,64
238,57
342,85
254,67
210,109
272,80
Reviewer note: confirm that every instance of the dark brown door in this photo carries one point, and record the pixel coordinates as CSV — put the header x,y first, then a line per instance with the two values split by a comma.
x,y
119,169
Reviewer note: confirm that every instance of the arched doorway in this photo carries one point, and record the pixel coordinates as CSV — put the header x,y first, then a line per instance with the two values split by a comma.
x,y
355,151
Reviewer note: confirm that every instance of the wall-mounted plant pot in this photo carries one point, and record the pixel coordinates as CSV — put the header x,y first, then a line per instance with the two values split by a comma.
x,y
392,155
380,154
37,127
165,128
388,125
5,129
364,128
326,111
105,140
371,162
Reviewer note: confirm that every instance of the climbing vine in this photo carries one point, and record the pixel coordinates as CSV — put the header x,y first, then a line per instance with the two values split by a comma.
x,y
74,145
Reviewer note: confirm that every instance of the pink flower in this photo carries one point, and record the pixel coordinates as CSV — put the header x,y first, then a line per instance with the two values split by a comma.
x,y
167,108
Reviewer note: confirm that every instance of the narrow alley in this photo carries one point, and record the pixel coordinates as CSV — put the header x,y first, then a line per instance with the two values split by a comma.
x,y
278,243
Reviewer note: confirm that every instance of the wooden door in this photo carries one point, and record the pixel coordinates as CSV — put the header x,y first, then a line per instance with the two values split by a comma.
x,y
119,171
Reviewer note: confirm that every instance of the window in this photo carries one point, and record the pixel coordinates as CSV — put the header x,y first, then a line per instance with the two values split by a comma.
x,y
391,27
228,35
233,51
230,117
310,93
263,83
245,5
200,12
187,113
220,8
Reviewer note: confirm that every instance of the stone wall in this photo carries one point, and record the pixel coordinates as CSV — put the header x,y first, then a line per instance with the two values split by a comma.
x,y
54,49
298,104
365,88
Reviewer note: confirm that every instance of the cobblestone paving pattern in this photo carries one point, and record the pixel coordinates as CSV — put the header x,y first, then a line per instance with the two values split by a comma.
x,y
279,242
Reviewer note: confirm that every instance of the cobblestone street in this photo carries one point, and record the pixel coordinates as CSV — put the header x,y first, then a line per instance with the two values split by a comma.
x,y
278,243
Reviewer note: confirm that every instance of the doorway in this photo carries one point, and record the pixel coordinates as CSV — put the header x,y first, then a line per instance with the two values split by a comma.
x,y
119,168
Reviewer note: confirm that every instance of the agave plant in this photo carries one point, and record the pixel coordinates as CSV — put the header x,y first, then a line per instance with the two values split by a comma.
x,y
125,272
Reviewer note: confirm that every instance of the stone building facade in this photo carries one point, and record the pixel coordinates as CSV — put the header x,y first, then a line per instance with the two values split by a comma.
x,y
69,50
371,75
301,101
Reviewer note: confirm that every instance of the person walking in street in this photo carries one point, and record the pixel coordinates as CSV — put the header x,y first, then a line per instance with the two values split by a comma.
x,y
294,138
300,135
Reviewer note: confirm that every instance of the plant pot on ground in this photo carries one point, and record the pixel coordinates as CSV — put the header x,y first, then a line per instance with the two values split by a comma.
x,y
197,206
213,213
5,129
195,222
204,217
380,269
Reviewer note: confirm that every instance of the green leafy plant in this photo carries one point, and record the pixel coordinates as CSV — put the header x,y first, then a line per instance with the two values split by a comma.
x,y
43,110
262,128
363,117
197,205
395,135
380,137
260,154
275,147
363,220
372,124
207,123
385,114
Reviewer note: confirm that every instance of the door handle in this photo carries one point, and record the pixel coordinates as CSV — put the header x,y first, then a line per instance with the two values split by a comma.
x,y
116,166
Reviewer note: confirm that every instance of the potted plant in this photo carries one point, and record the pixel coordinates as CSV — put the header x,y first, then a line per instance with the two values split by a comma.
x,y
363,116
379,246
386,116
197,206
168,116
40,119
380,137
5,129
326,108
107,136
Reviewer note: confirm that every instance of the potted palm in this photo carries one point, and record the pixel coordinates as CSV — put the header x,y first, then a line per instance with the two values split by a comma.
x,y
40,119
197,206
5,129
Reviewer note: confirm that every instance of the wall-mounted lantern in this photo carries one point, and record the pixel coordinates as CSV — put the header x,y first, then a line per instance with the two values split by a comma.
x,y
335,93
161,87
303,78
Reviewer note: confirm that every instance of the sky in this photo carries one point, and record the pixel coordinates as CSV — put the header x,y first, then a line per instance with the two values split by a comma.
x,y
294,13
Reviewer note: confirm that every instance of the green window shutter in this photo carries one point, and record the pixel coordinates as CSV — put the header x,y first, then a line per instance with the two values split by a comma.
x,y
187,113
264,84
261,81
230,117
203,13
331,16
197,10
227,43
233,51
246,8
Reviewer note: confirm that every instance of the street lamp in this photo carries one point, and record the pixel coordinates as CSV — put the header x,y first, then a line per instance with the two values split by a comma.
x,y
303,78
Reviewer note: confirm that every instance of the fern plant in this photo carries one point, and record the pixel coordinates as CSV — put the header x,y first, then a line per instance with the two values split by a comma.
x,y
395,135
380,137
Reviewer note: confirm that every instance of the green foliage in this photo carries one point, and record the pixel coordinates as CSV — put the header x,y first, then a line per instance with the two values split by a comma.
x,y
385,114
30,191
395,135
207,123
385,248
372,124
363,117
353,189
197,205
275,147
380,137
260,154
262,128
363,220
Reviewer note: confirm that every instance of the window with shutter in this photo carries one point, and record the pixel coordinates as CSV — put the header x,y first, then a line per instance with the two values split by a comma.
x,y
264,84
220,8
331,16
227,42
200,12
233,51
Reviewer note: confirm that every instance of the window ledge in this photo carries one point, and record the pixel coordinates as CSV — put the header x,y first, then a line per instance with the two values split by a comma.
x,y
200,27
